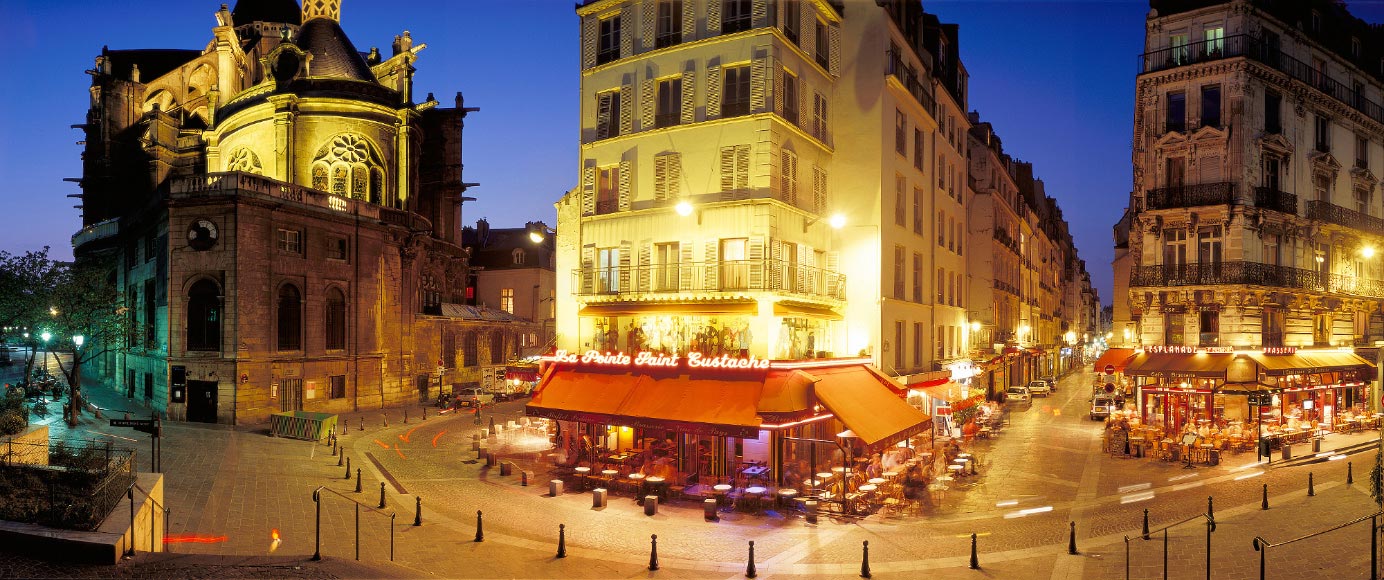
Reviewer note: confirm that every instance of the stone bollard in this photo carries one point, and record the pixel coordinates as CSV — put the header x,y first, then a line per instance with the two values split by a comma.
x,y
1265,505
653,551
480,534
381,495
524,477
491,460
485,433
1146,523
1310,491
598,498
555,487
650,505
749,568
385,417
475,445
810,511
482,452
418,511
358,489
1071,542
709,510
506,469
865,559
562,540
975,561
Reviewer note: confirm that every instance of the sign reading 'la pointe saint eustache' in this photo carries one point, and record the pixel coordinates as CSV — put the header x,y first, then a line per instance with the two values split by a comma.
x,y
694,360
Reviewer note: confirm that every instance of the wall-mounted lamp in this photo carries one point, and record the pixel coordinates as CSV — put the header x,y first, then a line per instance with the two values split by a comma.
x,y
836,221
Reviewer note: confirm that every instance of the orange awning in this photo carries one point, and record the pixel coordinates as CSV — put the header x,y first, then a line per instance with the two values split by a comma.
x,y
1203,365
1116,357
867,406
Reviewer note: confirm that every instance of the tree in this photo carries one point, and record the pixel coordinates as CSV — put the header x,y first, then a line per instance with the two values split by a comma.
x,y
87,313
26,281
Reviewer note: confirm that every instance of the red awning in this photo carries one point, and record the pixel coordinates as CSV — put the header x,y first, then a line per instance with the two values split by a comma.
x,y
867,406
1116,357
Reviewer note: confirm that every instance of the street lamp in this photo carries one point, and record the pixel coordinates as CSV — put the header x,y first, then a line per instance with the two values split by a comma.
x,y
684,208
78,340
46,336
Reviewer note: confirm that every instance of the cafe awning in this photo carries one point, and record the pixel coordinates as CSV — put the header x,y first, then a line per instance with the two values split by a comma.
x,y
1116,357
799,310
631,308
867,406
1309,362
1163,365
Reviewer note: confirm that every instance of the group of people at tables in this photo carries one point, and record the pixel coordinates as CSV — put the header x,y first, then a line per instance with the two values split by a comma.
x,y
1229,434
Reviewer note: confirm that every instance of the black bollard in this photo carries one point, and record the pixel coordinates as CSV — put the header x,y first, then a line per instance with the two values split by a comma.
x,y
1146,523
865,560
975,561
406,416
385,418
480,534
749,568
1350,473
360,425
562,540
1071,542
425,413
381,495
358,480
340,457
418,512
333,446
653,551
1310,492
1210,513
1265,505
348,468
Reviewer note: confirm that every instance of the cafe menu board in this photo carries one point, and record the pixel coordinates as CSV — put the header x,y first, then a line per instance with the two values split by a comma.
x,y
1118,441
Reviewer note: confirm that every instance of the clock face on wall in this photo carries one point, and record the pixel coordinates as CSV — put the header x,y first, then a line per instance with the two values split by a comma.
x,y
202,234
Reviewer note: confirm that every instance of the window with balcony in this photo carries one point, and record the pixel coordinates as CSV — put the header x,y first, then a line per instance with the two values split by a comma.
x,y
1322,133
1321,186
667,270
899,276
1175,252
1174,327
792,19
1321,329
1211,106
1362,152
1362,200
1214,42
1175,174
669,102
1176,113
607,114
669,30
1323,257
1272,172
1272,250
790,97
1209,245
900,133
607,189
792,275
735,93
608,270
735,16
735,268
1273,123
1179,54
608,41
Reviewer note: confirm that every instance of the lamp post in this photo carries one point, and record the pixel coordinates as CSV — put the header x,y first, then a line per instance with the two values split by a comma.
x,y
46,336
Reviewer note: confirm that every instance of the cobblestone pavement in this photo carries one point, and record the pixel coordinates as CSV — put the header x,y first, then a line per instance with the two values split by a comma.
x,y
1043,471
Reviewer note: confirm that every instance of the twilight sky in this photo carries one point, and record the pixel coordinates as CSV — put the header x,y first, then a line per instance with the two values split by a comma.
x,y
1055,78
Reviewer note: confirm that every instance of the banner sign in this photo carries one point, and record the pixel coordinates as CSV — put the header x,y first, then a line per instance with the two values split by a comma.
x,y
645,359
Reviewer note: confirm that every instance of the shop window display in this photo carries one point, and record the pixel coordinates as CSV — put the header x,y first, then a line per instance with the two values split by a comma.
x,y
798,338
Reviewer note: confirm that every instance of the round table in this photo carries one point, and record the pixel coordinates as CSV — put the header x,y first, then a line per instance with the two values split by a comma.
x,y
824,475
610,473
719,490
869,487
636,476
786,495
657,486
961,461
838,470
964,455
955,468
875,481
891,474
582,473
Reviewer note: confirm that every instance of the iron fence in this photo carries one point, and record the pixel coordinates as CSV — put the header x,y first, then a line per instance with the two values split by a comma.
x,y
63,485
1253,273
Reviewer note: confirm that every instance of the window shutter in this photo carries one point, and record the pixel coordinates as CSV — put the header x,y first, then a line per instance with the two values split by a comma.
x,y
1211,169
626,27
646,105
804,104
660,177
588,268
804,257
689,103
759,13
836,285
645,264
742,167
625,250
688,267
727,172
588,190
589,31
713,17
786,190
689,20
674,168
757,88
775,265
778,90
603,115
819,189
626,109
712,266
807,32
755,254
713,92
646,25
834,50
625,185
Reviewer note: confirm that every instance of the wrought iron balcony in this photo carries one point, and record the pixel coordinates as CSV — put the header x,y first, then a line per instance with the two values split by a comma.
x,y
720,276
1253,273
908,77
1196,52
1191,195
1325,211
1269,198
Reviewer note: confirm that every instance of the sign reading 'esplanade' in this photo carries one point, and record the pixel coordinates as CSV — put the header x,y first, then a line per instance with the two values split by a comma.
x,y
694,360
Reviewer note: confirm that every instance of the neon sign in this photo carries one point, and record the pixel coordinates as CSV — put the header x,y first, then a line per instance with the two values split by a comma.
x,y
694,360
1176,349
1280,350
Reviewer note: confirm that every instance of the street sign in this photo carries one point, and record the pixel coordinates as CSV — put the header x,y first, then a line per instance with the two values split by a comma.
x,y
1109,369
1109,387
141,425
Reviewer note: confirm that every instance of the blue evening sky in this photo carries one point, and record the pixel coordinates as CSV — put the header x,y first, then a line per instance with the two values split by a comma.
x,y
1055,78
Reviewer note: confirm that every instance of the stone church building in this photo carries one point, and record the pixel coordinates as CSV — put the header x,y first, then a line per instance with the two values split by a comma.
x,y
284,218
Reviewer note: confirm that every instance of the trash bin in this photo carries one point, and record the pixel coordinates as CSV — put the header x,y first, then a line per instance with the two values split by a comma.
x,y
1316,445
1215,458
1287,451
1265,449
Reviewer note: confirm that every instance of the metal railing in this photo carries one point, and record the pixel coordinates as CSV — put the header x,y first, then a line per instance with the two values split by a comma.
x,y
1210,518
62,485
1191,195
1269,198
152,530
1328,212
1254,273
317,499
908,77
718,276
1262,546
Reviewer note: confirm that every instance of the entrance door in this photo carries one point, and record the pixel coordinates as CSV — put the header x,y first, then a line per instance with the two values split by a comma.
x,y
422,382
291,395
201,401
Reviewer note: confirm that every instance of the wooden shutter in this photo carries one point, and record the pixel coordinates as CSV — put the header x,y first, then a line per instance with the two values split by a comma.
x,y
778,90
590,29
689,103
759,12
755,254
588,268
727,172
712,269
807,31
834,50
757,89
648,12
819,189
713,16
625,177
645,266
603,115
660,177
688,265
787,188
689,20
775,264
1210,169
626,249
836,285
588,190
804,104
646,105
626,27
713,92
804,274
626,109
674,168
742,167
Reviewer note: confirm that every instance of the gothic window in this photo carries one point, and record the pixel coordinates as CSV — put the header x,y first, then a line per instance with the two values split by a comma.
x,y
290,318
245,161
356,168
204,317
336,319
339,180
319,176
376,185
359,176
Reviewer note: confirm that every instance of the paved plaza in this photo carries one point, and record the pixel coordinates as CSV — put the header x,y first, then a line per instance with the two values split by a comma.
x,y
230,489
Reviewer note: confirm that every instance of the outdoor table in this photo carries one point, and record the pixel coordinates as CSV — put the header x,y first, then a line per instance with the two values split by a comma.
x,y
582,473
875,481
961,461
657,486
1136,444
638,478
964,455
720,491
754,496
838,470
610,474
891,474
955,468
869,487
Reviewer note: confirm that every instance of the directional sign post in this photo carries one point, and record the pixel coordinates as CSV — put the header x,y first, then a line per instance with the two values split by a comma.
x,y
152,426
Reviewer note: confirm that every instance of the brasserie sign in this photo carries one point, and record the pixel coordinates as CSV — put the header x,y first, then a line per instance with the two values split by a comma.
x,y
645,359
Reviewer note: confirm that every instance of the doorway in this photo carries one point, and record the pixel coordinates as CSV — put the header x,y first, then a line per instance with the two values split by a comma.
x,y
201,401
291,395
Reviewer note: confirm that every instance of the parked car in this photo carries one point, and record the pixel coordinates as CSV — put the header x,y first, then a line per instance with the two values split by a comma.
x,y
1018,394
1039,387
472,397
1101,407
1052,383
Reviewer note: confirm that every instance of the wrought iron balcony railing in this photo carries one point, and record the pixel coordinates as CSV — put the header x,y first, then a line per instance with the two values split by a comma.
x,y
908,77
1325,211
1269,198
1191,195
721,276
1253,273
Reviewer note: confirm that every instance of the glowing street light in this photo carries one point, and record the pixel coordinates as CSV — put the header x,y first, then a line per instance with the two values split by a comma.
x,y
683,208
536,237
975,326
1367,251
78,340
836,221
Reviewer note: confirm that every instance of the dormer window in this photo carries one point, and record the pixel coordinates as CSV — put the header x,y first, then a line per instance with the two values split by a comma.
x,y
518,256
1354,47
1316,22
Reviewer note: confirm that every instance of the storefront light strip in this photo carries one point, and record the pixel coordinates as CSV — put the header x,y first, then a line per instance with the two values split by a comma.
x,y
796,423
